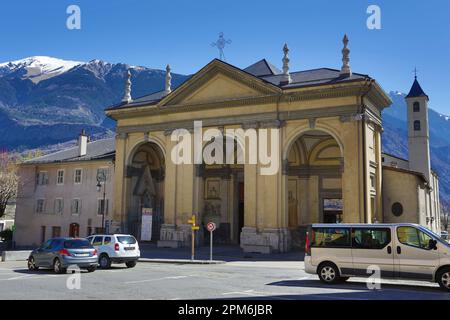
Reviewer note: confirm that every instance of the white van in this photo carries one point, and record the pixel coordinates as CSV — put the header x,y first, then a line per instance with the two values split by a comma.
x,y
115,248
336,252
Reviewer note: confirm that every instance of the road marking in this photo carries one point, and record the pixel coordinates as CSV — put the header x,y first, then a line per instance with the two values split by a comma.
x,y
157,279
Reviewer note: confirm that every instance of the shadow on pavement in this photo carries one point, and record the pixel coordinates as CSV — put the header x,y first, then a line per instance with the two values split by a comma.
x,y
228,253
357,285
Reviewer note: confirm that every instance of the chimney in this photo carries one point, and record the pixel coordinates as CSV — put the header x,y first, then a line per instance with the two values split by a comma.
x,y
82,144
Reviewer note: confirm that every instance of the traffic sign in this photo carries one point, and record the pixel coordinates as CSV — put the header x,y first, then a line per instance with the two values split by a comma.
x,y
211,226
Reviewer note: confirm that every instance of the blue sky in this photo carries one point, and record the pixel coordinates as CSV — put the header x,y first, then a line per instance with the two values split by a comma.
x,y
153,33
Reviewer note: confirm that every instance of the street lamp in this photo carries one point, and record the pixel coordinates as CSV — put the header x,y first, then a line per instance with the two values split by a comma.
x,y
103,207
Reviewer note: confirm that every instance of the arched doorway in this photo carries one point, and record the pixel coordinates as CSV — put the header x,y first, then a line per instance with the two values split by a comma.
x,y
74,230
223,191
145,209
314,182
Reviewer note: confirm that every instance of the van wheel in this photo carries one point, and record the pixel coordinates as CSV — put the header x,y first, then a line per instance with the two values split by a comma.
x,y
104,261
328,273
443,278
130,264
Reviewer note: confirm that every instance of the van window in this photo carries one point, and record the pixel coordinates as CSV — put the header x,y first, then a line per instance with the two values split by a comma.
x,y
371,238
331,238
413,237
107,240
97,241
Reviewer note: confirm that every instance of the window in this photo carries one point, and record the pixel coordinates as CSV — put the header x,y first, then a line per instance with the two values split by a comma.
x,y
397,209
60,177
76,206
373,238
417,125
102,174
56,232
89,232
101,207
78,176
42,178
43,234
97,241
413,237
59,206
99,230
40,206
416,107
331,238
107,240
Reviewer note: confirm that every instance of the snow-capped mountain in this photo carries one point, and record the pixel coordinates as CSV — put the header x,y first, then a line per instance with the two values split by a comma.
x,y
37,68
45,100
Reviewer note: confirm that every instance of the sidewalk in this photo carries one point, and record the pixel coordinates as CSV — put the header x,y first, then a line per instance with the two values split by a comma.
x,y
225,253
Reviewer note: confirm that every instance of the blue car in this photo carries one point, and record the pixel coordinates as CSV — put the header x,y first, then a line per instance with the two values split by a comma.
x,y
60,253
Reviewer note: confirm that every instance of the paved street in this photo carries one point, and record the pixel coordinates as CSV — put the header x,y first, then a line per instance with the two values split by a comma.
x,y
234,280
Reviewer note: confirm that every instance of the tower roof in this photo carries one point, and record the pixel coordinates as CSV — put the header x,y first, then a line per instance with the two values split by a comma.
x,y
416,90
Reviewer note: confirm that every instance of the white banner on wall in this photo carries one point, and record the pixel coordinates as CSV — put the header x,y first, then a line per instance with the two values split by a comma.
x,y
146,226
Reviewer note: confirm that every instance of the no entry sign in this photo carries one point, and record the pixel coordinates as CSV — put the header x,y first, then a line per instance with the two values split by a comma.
x,y
211,226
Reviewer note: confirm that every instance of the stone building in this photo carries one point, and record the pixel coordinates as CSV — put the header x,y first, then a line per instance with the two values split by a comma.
x,y
325,135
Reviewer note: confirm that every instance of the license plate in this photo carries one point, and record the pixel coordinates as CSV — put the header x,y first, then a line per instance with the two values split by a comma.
x,y
129,248
82,255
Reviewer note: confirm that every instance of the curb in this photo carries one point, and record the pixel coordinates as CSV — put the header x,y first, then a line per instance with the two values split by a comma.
x,y
181,261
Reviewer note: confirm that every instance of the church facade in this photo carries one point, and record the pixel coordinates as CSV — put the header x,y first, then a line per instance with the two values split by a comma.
x,y
327,144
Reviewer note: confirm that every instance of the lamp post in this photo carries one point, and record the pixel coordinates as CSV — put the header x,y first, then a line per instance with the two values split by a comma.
x,y
99,188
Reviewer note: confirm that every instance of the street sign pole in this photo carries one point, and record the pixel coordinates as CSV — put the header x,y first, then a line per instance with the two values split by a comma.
x,y
193,245
211,246
211,226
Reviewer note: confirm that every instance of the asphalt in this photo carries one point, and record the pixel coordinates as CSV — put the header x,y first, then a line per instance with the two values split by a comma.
x,y
263,280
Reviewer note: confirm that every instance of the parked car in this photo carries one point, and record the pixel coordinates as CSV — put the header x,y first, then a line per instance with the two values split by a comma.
x,y
115,248
60,253
402,251
444,235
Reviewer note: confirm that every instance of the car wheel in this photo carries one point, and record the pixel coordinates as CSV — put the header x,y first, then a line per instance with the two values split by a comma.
x,y
443,278
57,266
104,262
91,269
328,273
32,264
130,264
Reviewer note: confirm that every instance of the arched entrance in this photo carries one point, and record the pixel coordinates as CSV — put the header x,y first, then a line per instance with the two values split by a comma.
x,y
145,185
314,182
223,192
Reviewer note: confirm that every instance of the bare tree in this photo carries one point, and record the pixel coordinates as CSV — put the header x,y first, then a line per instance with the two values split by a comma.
x,y
9,181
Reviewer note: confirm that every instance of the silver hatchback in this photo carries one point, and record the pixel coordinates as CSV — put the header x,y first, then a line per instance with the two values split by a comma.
x,y
61,253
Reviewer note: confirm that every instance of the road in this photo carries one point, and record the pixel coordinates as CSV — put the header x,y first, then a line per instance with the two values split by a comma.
x,y
233,280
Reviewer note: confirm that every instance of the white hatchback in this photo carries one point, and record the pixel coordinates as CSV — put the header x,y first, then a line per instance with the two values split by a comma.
x,y
115,248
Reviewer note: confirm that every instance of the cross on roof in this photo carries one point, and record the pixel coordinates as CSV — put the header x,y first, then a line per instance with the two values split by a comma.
x,y
220,44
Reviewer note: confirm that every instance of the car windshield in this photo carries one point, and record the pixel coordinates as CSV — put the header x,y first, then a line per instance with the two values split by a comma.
x,y
77,244
126,239
434,235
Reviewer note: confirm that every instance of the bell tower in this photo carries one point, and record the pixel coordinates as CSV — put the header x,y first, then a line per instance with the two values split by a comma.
x,y
418,132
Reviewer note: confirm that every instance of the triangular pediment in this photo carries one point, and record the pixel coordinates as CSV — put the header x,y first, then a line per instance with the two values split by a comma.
x,y
219,81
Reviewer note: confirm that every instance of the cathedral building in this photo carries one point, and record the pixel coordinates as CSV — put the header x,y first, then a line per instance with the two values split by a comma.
x,y
326,126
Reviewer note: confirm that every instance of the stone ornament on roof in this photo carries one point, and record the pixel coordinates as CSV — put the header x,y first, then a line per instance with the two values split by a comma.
x,y
345,70
168,88
286,77
127,95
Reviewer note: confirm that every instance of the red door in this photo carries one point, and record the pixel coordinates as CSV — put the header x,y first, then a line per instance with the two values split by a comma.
x,y
74,230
